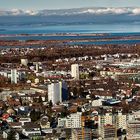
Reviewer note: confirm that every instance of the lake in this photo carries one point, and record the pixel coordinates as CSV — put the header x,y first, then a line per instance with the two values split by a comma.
x,y
20,25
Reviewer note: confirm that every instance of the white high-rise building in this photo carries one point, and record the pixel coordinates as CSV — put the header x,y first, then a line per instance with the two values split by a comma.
x,y
57,92
14,76
37,67
54,93
75,71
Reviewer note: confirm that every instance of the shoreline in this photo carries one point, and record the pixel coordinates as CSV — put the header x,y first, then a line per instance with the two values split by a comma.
x,y
44,43
56,34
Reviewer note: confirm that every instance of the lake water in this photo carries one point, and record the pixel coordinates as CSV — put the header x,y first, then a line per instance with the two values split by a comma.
x,y
115,29
130,42
87,28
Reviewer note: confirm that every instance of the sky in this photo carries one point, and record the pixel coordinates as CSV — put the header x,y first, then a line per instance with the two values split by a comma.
x,y
65,4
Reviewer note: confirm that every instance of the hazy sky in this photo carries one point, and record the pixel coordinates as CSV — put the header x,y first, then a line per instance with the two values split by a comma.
x,y
58,4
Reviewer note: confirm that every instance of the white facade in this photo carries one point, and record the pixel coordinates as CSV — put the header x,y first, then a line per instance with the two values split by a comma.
x,y
32,132
24,120
57,92
121,121
75,71
54,93
47,130
97,102
62,122
14,76
37,67
72,121
106,119
24,62
36,80
5,73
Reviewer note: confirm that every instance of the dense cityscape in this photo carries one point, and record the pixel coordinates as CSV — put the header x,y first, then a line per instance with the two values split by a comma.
x,y
69,70
70,92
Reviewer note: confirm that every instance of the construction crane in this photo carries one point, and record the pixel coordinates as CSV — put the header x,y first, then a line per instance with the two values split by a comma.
x,y
83,119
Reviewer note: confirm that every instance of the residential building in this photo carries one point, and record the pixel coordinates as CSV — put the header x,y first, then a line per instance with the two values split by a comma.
x,y
72,121
75,71
37,66
24,120
80,134
105,119
121,121
14,76
133,130
97,102
6,132
57,92
31,129
15,125
108,132
24,62
45,125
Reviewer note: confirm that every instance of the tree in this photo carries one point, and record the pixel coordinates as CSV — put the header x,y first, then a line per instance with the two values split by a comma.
x,y
79,109
46,97
65,112
37,138
20,100
74,91
50,103
135,90
35,115
35,100
11,135
125,138
92,74
1,89
40,99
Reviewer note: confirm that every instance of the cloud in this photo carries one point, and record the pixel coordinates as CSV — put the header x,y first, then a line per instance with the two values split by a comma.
x,y
16,12
136,11
31,12
108,11
94,11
